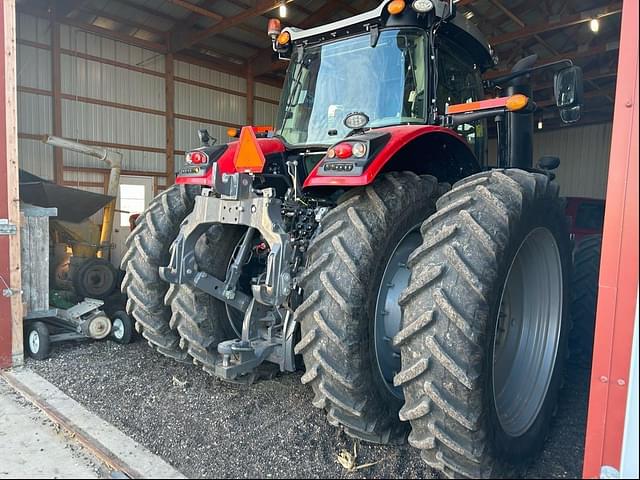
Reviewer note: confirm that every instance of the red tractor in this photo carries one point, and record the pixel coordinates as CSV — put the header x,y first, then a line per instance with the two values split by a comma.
x,y
367,241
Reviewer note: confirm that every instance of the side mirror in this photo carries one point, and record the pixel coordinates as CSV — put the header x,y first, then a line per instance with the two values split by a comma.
x,y
548,162
569,93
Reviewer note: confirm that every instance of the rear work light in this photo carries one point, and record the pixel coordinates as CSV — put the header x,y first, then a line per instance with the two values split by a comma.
x,y
197,158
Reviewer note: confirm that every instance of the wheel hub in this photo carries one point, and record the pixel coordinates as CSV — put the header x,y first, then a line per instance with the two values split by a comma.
x,y
117,328
34,341
528,329
388,314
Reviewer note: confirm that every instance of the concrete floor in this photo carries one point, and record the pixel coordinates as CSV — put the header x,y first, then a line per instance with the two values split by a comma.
x,y
32,447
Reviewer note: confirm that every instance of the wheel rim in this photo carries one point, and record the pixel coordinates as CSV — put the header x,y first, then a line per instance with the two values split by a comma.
x,y
388,314
97,279
34,341
117,328
527,335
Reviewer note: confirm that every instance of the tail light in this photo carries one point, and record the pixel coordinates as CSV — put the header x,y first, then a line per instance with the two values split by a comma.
x,y
197,158
347,150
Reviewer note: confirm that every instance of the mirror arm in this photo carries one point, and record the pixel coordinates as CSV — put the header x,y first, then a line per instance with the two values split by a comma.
x,y
511,76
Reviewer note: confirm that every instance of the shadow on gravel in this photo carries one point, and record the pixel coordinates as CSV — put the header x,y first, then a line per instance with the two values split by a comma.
x,y
206,428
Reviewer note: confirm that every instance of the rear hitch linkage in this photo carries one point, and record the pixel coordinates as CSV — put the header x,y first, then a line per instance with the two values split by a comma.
x,y
267,329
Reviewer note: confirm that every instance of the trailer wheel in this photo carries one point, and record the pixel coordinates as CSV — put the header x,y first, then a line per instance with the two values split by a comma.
x,y
584,298
38,341
356,270
202,320
148,250
484,333
122,328
95,278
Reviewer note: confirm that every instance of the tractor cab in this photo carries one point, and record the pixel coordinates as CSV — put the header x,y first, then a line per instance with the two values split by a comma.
x,y
398,64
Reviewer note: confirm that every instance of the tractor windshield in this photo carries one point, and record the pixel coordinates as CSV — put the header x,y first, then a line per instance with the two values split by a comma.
x,y
329,81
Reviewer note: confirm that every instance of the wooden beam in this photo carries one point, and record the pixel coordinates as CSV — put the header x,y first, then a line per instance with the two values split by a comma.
x,y
184,28
56,103
153,46
198,10
261,7
170,92
11,329
65,7
576,54
559,23
263,61
124,21
522,24
144,9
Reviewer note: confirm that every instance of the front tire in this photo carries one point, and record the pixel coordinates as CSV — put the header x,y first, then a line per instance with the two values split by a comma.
x,y
122,328
354,257
38,341
484,334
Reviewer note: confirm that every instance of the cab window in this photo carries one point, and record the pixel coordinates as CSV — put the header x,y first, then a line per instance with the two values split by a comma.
x,y
460,81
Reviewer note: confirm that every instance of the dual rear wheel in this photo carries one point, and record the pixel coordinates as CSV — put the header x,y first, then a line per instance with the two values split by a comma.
x,y
447,315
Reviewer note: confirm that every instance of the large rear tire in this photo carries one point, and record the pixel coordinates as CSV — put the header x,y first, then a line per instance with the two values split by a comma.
x,y
148,250
584,298
484,327
352,262
202,320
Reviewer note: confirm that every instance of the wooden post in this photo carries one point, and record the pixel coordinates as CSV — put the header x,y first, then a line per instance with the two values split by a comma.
x,y
170,94
58,158
251,86
11,342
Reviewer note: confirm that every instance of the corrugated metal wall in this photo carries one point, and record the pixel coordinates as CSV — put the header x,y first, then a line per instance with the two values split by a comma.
x,y
34,111
266,112
584,157
211,99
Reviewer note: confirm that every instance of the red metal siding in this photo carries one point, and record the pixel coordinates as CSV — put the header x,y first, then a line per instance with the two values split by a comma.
x,y
619,267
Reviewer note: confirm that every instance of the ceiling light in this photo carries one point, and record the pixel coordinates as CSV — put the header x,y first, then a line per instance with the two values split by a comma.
x,y
594,25
283,10
468,15
540,125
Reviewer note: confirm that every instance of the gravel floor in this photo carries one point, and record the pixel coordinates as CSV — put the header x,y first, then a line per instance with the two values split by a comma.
x,y
207,428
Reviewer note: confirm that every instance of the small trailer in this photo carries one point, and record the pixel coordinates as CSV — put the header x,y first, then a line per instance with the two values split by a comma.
x,y
45,325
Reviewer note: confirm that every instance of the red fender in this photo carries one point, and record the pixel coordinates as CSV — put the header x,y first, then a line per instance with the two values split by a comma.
x,y
268,146
401,136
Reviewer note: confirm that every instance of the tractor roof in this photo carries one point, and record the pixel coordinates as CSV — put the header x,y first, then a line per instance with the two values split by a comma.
x,y
460,29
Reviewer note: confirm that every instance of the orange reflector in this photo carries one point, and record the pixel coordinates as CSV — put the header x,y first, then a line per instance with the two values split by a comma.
x,y
284,38
263,129
233,132
249,156
511,104
517,102
396,7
